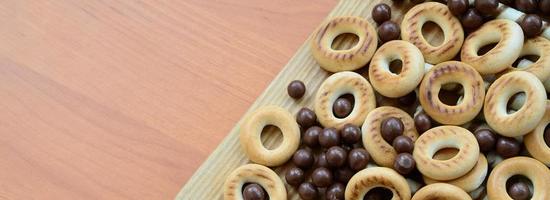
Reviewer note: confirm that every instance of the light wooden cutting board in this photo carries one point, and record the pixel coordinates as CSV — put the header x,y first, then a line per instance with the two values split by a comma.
x,y
208,180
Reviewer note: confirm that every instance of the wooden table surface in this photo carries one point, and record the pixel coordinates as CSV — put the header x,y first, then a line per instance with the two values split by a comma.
x,y
125,99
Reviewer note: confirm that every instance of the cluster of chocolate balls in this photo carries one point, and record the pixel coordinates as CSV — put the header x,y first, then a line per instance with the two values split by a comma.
x,y
484,10
329,157
387,30
532,22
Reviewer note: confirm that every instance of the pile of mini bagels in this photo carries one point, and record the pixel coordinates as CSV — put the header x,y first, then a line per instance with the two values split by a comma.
x,y
401,118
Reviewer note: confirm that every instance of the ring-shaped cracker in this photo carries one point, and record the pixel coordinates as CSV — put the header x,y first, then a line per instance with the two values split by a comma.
x,y
344,60
442,137
452,72
441,191
509,36
251,130
471,180
527,117
534,141
540,47
337,85
381,151
535,171
412,69
253,173
417,16
372,177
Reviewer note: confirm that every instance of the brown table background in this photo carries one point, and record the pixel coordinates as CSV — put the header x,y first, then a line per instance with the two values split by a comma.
x,y
125,99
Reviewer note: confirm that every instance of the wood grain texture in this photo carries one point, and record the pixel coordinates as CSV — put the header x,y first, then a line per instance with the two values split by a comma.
x,y
125,99
207,182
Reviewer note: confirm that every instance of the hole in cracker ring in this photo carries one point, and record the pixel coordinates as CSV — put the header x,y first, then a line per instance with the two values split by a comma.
x,y
527,117
452,72
509,36
396,85
471,180
337,85
417,16
534,141
372,177
344,60
441,191
253,173
442,137
381,151
535,171
540,47
251,130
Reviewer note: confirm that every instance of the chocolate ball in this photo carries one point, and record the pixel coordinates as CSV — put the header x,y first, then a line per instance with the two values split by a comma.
x,y
296,89
547,136
306,117
303,158
391,128
544,6
486,139
388,31
471,19
295,176
329,137
343,174
321,160
519,191
526,6
254,191
487,7
335,192
422,122
342,107
351,134
358,159
531,25
408,99
311,136
403,144
507,147
404,163
321,177
336,156
308,191
381,13
457,7
417,1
